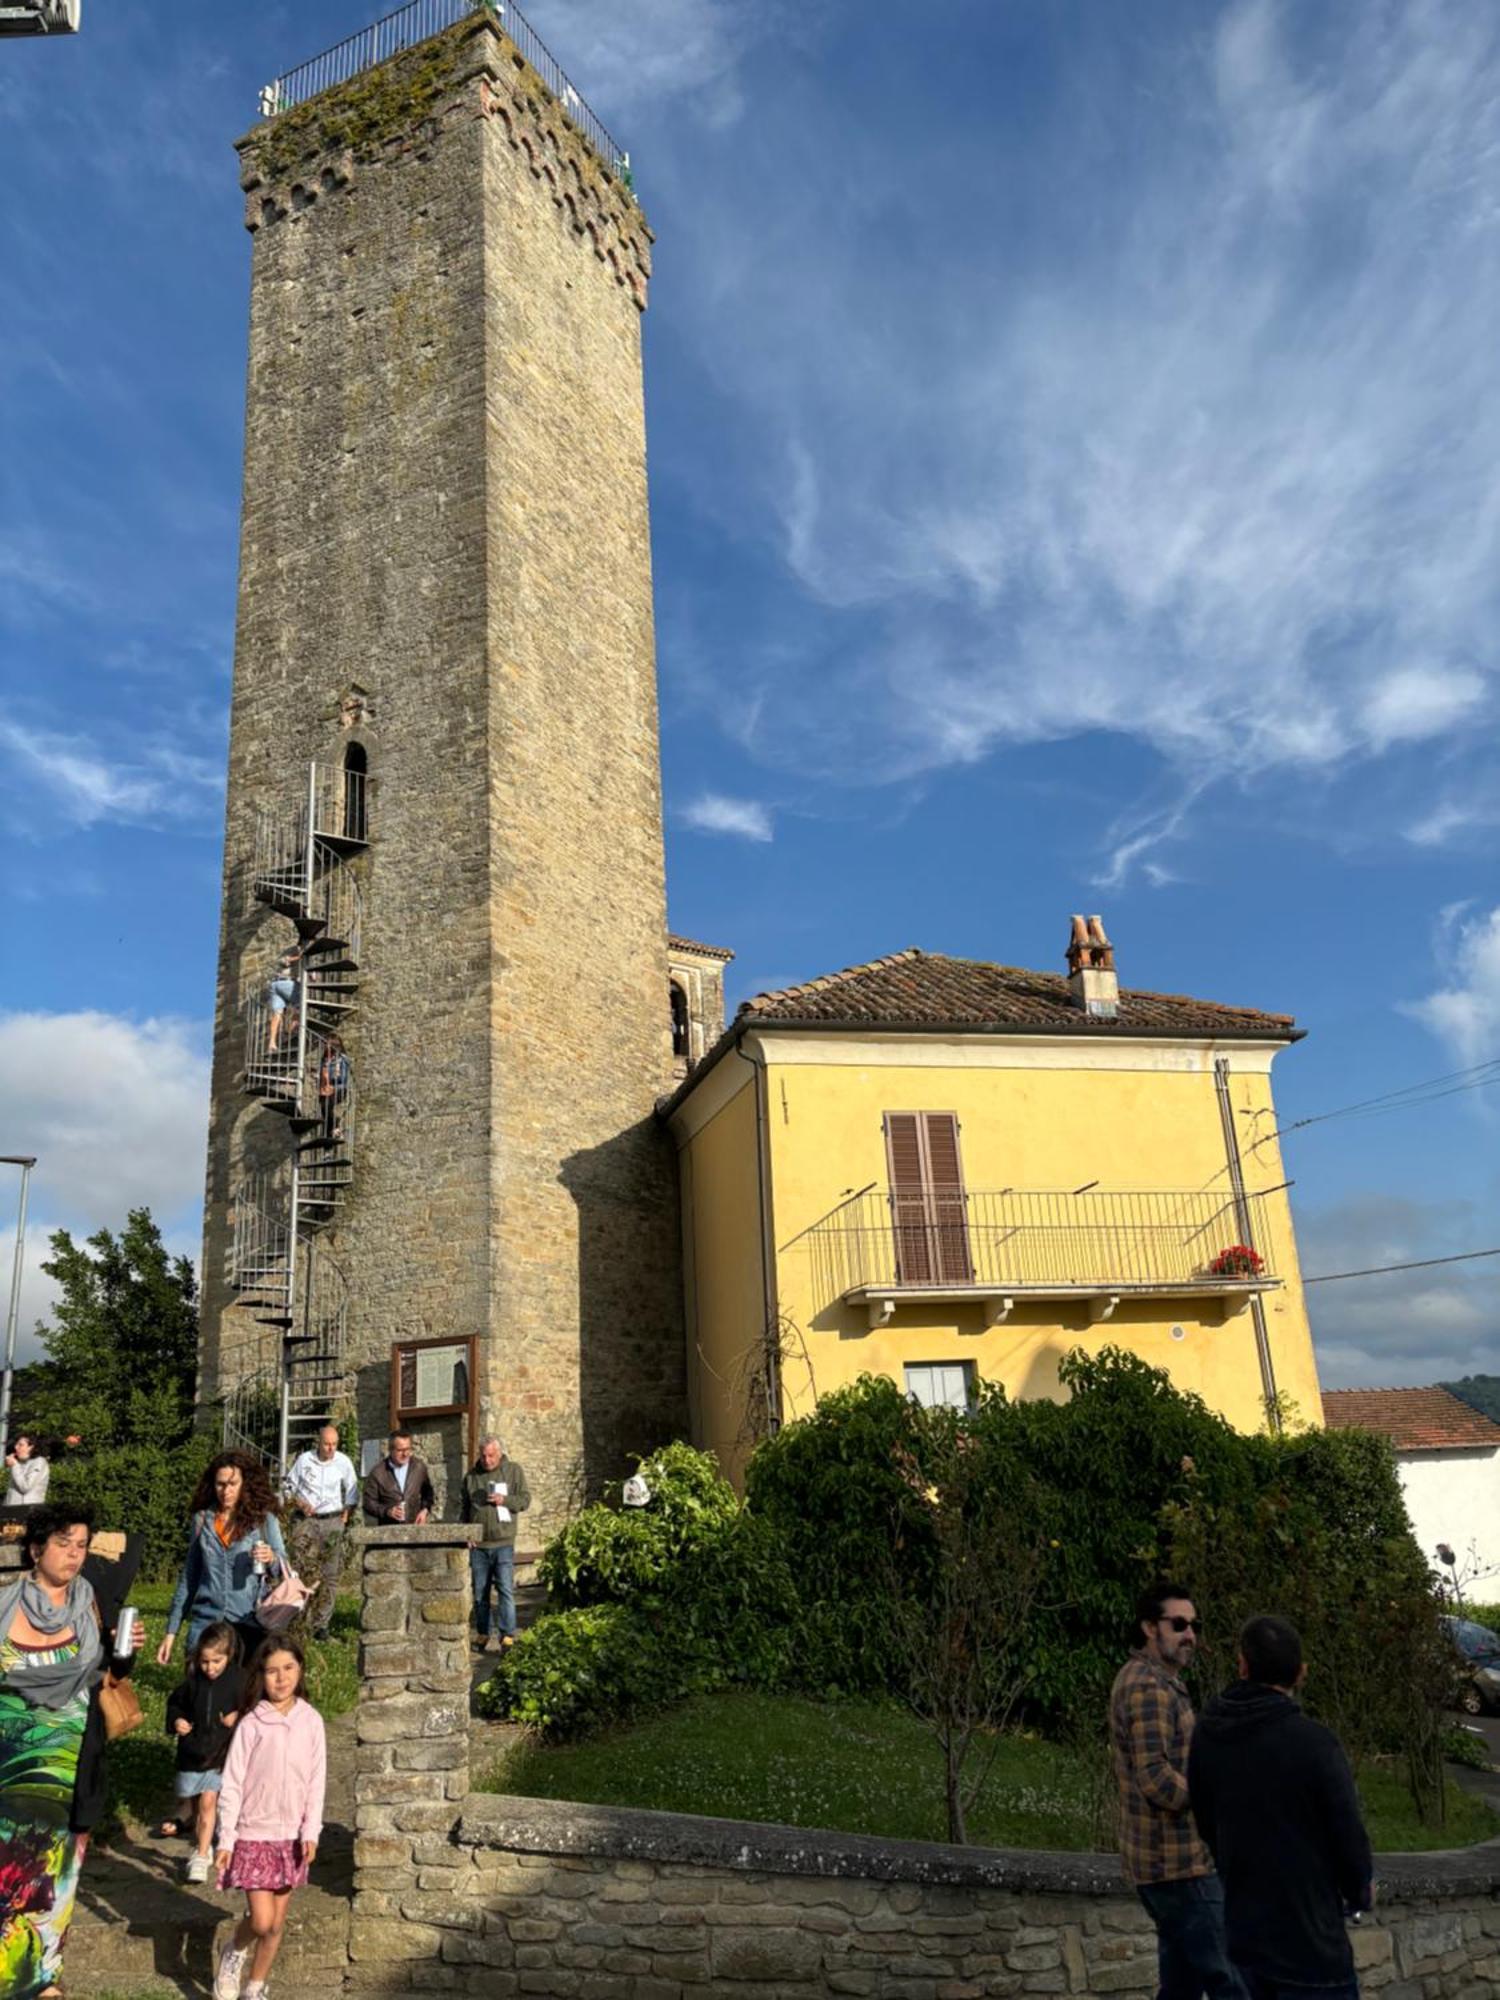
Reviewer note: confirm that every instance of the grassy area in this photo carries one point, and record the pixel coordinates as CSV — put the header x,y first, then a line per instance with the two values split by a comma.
x,y
864,1768
140,1766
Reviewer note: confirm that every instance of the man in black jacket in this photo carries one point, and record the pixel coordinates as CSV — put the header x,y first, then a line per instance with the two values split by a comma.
x,y
1274,1799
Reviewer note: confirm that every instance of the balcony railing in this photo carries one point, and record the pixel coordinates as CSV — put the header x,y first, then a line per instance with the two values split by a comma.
x,y
1099,1244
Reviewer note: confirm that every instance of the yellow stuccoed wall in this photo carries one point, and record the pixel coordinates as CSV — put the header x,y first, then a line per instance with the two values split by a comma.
x,y
1033,1115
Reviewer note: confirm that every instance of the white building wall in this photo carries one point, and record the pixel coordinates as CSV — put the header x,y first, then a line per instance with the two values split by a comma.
x,y
1454,1497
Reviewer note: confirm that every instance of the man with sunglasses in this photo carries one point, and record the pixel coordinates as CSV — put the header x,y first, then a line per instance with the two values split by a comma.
x,y
1274,1798
1151,1726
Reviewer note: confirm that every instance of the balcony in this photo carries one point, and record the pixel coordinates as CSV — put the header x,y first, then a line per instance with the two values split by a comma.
x,y
1095,1249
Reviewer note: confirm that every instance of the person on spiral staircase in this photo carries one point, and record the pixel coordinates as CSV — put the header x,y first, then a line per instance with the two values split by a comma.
x,y
333,1087
285,997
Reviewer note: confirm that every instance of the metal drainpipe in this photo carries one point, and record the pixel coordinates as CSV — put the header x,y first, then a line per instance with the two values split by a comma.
x,y
1242,1223
767,1262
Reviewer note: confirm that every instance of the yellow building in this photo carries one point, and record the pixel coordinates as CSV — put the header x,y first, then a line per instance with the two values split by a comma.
x,y
951,1172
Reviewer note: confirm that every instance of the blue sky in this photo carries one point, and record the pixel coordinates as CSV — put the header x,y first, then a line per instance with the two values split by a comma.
x,y
1075,459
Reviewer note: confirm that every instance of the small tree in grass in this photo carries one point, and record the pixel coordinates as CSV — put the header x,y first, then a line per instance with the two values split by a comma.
x,y
964,1569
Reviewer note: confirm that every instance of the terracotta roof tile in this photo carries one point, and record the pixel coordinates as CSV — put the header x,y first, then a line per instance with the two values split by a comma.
x,y
1413,1419
929,990
675,943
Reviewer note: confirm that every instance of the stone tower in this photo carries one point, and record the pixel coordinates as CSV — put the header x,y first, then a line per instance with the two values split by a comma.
x,y
444,781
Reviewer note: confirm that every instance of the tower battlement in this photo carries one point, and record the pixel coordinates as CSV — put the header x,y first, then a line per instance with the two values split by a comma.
x,y
473,70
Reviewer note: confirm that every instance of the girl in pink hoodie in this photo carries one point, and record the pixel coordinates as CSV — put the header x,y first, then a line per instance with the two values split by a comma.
x,y
270,1812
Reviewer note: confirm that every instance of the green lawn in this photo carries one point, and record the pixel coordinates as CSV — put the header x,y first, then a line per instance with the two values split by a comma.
x,y
864,1768
140,1766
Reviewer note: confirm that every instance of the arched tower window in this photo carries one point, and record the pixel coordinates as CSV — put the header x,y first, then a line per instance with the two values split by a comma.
x,y
679,1020
356,793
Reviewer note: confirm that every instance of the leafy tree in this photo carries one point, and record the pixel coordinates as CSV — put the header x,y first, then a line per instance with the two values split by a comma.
x,y
122,1349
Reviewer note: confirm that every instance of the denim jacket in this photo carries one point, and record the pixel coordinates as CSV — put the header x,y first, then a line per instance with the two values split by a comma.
x,y
216,1582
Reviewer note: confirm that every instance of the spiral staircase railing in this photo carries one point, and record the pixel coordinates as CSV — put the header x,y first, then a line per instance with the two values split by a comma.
x,y
295,1066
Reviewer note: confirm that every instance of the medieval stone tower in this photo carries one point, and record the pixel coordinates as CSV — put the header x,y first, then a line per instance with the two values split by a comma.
x,y
444,786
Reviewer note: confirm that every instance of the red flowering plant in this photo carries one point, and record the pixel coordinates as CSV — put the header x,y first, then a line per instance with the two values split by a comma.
x,y
1238,1261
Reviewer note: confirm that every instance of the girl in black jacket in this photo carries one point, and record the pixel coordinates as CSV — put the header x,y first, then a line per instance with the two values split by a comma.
x,y
201,1713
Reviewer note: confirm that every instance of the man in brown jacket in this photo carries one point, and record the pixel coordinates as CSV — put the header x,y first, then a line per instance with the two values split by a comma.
x,y
398,1489
1151,1725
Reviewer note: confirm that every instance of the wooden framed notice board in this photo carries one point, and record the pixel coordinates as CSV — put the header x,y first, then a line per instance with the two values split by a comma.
x,y
436,1378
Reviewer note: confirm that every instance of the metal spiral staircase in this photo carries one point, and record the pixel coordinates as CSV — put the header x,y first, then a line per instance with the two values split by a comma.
x,y
279,1267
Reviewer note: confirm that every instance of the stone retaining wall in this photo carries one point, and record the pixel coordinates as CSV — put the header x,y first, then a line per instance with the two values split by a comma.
x,y
510,1896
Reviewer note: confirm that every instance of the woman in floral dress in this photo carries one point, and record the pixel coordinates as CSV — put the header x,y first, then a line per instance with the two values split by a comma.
x,y
53,1654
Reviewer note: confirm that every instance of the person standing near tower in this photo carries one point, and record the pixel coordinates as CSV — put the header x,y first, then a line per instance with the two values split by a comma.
x,y
495,1492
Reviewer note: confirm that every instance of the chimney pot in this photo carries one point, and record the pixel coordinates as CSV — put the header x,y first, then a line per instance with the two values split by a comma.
x,y
1092,982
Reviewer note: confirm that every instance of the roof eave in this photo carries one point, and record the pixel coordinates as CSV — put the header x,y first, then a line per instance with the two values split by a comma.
x,y
743,1023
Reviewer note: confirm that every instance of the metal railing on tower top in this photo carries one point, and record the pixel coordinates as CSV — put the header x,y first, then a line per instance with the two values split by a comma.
x,y
416,22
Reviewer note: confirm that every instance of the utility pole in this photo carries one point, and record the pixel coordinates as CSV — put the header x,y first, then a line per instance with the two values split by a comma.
x,y
25,1161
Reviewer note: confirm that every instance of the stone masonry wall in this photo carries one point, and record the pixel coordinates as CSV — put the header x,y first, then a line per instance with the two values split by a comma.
x,y
445,507
511,1896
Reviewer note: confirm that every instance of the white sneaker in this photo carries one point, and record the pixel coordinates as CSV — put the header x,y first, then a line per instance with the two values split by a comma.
x,y
231,1971
197,1868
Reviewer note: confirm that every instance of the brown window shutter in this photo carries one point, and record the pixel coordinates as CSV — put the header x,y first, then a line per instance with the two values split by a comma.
x,y
904,1156
928,1216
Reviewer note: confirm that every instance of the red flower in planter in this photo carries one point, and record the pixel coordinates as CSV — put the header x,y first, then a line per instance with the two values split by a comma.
x,y
1238,1261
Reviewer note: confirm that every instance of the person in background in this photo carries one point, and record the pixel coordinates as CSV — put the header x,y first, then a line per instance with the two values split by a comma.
x,y
270,1812
1151,1726
233,1543
201,1712
398,1488
494,1493
323,1490
1274,1798
55,1648
29,1469
333,1088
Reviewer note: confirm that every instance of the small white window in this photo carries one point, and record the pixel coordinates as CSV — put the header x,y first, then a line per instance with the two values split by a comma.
x,y
941,1384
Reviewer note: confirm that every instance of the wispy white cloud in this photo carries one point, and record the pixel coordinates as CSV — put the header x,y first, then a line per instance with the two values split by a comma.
x,y
1205,453
1464,1012
155,783
711,812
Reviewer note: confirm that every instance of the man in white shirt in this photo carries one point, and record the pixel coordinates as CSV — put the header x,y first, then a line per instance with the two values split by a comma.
x,y
322,1489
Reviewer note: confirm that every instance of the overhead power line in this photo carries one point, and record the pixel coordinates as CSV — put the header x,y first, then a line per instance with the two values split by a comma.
x,y
1416,1264
1479,1077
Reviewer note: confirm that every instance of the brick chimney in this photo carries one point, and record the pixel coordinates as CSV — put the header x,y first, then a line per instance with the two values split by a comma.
x,y
1092,984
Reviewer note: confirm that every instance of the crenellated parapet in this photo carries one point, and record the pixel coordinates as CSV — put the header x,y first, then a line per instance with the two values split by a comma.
x,y
314,153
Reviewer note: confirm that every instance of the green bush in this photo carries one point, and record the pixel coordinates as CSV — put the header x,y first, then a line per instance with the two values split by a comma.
x,y
685,1593
615,1555
142,1489
596,1663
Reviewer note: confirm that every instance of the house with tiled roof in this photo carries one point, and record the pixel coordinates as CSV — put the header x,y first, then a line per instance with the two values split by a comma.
x,y
952,1172
1448,1456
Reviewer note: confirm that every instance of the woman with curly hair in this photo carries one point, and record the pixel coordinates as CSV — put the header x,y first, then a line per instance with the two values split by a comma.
x,y
234,1528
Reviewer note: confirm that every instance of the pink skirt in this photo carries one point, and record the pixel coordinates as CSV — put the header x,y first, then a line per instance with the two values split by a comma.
x,y
265,1864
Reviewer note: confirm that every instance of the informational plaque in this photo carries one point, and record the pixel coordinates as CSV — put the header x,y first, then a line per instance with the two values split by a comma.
x,y
432,1378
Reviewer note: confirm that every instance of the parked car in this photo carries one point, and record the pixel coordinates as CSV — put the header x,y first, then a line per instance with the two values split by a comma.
x,y
1478,1650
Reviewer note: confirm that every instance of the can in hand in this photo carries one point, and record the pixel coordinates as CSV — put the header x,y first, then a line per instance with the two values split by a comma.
x,y
125,1632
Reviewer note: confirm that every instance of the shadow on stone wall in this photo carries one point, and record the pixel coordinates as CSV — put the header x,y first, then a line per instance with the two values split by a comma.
x,y
632,1368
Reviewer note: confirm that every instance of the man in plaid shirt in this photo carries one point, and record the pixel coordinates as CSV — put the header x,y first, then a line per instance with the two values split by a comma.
x,y
1151,1725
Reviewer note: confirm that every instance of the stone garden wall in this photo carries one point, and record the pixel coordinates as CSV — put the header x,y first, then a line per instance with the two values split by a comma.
x,y
508,1896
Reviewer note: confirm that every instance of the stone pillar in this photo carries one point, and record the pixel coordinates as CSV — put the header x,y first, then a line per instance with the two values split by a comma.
x,y
412,1729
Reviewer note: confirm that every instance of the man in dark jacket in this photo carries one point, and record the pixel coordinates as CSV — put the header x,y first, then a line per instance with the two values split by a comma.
x,y
1274,1798
495,1492
398,1487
